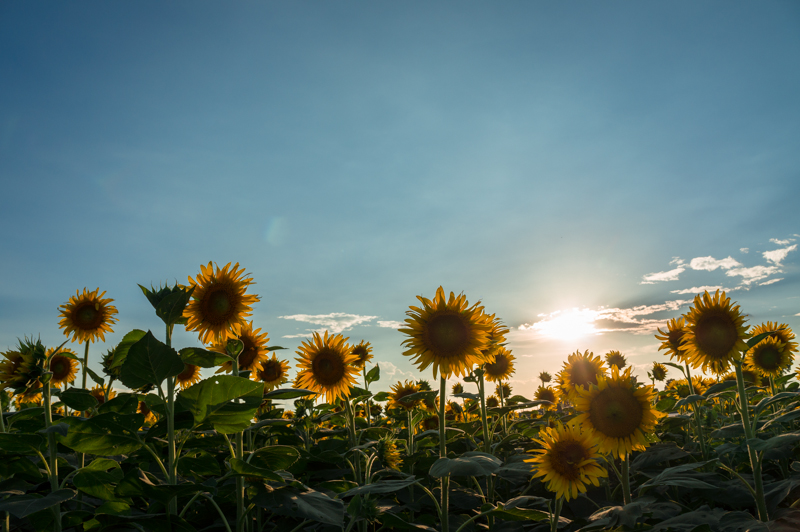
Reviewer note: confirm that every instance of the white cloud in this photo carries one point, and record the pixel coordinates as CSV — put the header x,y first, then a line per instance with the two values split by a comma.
x,y
751,275
334,322
671,275
676,260
393,373
700,290
711,264
391,324
744,250
776,256
782,242
771,281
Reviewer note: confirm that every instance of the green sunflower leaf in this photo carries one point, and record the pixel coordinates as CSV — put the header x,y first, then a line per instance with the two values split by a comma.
x,y
203,358
78,399
24,505
227,402
374,374
149,361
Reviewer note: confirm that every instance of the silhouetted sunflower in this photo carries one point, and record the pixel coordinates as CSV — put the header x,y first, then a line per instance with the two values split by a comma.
x,y
546,393
715,332
63,367
568,460
780,331
580,371
327,366
672,338
503,366
189,376
545,377
618,413
387,452
616,359
219,304
99,394
253,354
16,370
505,388
659,371
769,357
363,352
492,401
446,333
273,373
401,390
87,316
458,388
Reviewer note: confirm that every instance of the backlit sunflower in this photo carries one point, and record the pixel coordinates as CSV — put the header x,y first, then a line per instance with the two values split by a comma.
x,y
672,338
99,394
401,390
254,352
492,401
618,413
28,399
457,388
568,460
496,337
715,332
64,368
189,376
616,359
288,414
502,367
781,331
446,333
273,373
219,304
87,316
17,369
363,352
503,388
387,452
545,377
769,357
659,371
327,366
546,393
581,370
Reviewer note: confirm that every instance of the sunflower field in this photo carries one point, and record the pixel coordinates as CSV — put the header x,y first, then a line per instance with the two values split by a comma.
x,y
711,443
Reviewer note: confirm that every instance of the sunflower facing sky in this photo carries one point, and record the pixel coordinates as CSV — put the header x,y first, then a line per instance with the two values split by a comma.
x,y
273,373
715,333
219,304
447,334
327,365
568,460
618,413
502,368
581,370
87,316
254,352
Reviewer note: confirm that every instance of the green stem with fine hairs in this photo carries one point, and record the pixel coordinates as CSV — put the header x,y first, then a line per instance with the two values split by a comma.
x,y
749,431
445,504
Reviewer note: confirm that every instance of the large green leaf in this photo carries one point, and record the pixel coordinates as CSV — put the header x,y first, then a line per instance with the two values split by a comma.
x,y
311,505
22,443
107,434
225,401
124,403
240,467
121,351
203,358
99,478
381,486
719,387
78,399
765,402
288,393
24,505
689,400
149,361
780,440
275,457
374,374
471,464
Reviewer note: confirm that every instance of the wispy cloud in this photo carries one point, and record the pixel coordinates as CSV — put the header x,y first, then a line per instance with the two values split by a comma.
x,y
334,322
744,250
753,274
393,373
710,263
771,281
776,256
390,324
701,289
670,275
782,242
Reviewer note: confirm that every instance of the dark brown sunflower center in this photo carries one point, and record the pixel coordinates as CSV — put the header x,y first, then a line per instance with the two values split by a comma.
x,y
768,358
327,368
270,371
187,374
583,373
716,335
674,338
87,316
566,458
615,412
498,367
143,408
492,402
60,367
218,305
402,394
546,395
447,335
659,373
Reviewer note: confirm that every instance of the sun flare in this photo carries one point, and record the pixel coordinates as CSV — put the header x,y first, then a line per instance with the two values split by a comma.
x,y
566,325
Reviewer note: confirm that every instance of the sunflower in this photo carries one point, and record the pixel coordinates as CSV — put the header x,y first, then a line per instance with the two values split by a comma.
x,y
87,316
253,354
769,357
149,416
17,369
780,331
457,388
273,373
503,388
715,332
672,338
189,376
363,352
659,371
546,393
496,337
616,359
618,413
386,450
492,401
288,414
28,399
446,333
327,366
219,304
580,371
99,393
568,460
401,390
502,367
63,367
545,377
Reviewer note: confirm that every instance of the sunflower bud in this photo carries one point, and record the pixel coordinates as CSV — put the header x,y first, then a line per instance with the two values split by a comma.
x,y
169,302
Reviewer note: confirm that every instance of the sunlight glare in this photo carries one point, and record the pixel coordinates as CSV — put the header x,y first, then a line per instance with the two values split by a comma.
x,y
567,325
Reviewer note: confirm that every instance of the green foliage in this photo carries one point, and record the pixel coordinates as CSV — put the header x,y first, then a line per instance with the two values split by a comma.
x,y
149,362
226,402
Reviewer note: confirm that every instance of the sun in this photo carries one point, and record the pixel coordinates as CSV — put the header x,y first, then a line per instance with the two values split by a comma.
x,y
566,325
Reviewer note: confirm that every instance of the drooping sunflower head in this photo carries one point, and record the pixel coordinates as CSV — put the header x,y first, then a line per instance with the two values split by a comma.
x,y
616,359
363,353
399,392
387,452
273,373
16,369
447,334
502,367
99,394
189,376
618,413
715,332
504,388
659,371
28,398
63,366
672,338
545,377
87,316
458,388
254,352
327,366
568,460
546,393
780,331
769,357
581,370
219,305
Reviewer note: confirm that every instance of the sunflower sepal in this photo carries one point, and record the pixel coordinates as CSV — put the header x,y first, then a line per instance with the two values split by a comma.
x,y
169,302
234,347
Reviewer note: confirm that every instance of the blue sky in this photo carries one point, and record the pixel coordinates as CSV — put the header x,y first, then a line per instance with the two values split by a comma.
x,y
538,157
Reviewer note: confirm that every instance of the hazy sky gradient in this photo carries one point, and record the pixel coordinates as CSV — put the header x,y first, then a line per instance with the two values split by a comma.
x,y
352,155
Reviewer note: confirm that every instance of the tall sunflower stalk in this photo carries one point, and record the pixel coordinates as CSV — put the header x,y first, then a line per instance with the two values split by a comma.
x,y
52,447
445,495
234,348
743,407
171,458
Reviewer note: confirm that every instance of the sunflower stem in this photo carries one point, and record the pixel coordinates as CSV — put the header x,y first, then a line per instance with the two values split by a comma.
x,y
52,447
501,392
410,415
445,505
556,513
487,443
755,462
171,465
696,415
240,455
85,362
625,479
